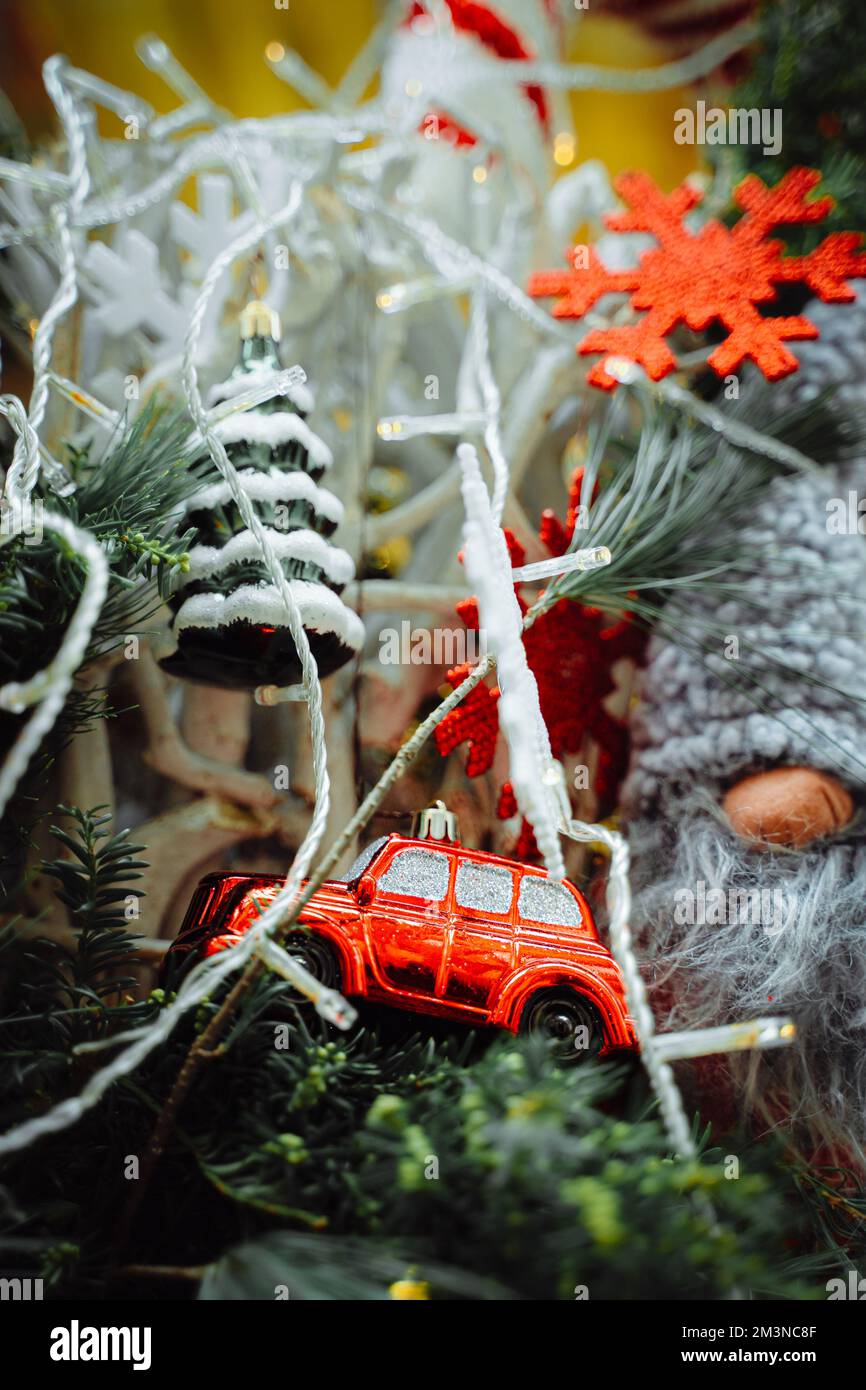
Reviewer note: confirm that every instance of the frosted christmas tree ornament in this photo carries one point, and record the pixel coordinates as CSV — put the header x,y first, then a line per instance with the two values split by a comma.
x,y
229,619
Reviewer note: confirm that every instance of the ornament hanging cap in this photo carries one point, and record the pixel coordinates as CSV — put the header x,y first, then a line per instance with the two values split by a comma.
x,y
258,320
436,823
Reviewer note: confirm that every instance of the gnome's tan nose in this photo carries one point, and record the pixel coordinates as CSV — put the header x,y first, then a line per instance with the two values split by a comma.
x,y
787,806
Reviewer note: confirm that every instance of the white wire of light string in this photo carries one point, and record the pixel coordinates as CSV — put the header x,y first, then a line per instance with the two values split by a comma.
x,y
542,796
243,243
480,339
200,985
456,261
24,469
204,979
573,76
50,686
586,77
618,899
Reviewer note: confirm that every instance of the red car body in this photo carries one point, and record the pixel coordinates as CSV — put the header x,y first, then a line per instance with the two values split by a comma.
x,y
435,928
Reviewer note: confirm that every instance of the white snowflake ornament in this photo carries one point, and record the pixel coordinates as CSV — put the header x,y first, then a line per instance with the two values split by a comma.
x,y
204,234
128,284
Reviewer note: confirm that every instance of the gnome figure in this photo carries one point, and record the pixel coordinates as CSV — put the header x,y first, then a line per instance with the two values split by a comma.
x,y
744,796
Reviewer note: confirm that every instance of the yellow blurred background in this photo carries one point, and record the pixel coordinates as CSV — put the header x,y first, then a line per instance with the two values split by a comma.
x,y
222,43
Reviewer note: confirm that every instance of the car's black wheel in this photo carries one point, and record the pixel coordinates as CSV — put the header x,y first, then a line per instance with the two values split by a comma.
x,y
566,1020
317,955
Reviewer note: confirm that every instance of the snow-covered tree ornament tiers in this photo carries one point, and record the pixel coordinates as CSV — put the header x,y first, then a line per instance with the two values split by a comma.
x,y
230,621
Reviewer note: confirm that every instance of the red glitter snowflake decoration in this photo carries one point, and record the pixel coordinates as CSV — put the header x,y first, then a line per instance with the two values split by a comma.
x,y
717,273
571,650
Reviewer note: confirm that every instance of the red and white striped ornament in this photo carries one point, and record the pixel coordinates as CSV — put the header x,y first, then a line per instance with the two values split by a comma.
x,y
442,62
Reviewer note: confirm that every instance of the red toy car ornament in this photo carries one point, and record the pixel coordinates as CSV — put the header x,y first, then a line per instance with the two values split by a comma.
x,y
423,924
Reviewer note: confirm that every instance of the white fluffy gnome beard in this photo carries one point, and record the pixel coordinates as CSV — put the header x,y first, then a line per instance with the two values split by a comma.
x,y
809,962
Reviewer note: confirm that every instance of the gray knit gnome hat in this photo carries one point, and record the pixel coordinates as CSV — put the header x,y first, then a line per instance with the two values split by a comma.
x,y
790,688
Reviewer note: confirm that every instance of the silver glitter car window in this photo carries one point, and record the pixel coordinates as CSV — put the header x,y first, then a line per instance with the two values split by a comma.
x,y
484,886
361,862
543,901
419,873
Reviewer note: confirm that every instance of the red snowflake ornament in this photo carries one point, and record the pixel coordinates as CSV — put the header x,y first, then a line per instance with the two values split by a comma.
x,y
571,650
475,721
717,273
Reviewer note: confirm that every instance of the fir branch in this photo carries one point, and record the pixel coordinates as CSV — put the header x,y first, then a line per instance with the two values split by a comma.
x,y
94,886
54,995
73,991
798,67
129,499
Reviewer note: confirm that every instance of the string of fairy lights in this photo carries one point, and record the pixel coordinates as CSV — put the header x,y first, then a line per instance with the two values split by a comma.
x,y
177,149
